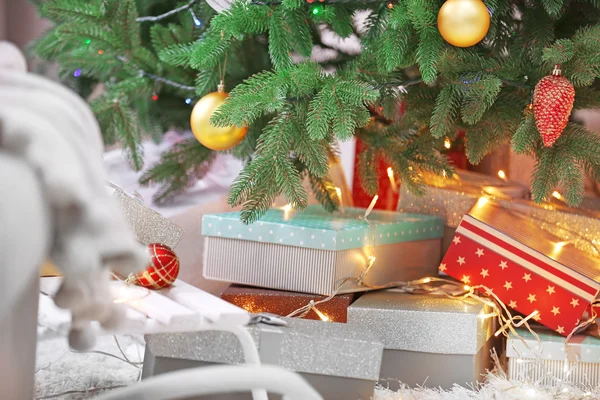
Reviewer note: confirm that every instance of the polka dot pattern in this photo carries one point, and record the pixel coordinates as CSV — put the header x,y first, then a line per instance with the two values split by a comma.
x,y
316,228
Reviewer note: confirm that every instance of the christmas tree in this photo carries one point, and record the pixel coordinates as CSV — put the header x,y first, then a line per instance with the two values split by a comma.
x,y
156,59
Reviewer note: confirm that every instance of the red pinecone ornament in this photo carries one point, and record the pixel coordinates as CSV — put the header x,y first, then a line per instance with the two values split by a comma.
x,y
552,105
162,271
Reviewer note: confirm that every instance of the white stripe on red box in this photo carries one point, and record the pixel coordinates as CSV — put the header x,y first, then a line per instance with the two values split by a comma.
x,y
538,263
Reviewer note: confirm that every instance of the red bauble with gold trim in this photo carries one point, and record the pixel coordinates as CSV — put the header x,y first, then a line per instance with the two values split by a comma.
x,y
163,268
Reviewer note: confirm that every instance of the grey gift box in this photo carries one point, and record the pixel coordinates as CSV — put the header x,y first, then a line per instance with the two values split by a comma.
x,y
340,361
429,340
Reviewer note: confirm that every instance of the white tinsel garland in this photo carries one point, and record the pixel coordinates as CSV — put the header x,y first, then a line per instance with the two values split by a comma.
x,y
497,387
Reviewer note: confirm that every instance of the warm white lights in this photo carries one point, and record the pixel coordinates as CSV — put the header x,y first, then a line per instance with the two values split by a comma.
x,y
390,173
338,191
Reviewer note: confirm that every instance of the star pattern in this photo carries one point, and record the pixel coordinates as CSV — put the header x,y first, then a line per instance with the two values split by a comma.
x,y
575,302
520,288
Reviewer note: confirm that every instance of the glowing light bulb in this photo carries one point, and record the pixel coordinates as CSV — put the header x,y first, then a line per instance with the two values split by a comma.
x,y
427,280
321,315
370,262
338,191
100,52
154,97
447,143
482,201
315,11
502,175
188,101
467,287
370,208
565,390
557,195
286,211
88,41
77,73
390,173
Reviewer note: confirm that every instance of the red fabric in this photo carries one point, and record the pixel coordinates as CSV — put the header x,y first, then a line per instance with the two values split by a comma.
x,y
516,285
388,199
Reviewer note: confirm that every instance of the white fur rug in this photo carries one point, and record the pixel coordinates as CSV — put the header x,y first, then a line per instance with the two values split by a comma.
x,y
66,375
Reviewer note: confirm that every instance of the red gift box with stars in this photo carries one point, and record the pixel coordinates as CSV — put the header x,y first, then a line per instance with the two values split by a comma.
x,y
527,268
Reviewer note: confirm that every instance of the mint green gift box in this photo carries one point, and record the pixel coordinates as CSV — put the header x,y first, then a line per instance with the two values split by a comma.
x,y
313,251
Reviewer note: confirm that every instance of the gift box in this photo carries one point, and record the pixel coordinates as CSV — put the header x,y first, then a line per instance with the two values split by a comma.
x,y
579,227
451,198
256,301
313,251
550,361
529,269
339,361
428,341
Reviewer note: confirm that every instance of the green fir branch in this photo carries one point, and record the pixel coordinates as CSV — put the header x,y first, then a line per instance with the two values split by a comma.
x,y
178,168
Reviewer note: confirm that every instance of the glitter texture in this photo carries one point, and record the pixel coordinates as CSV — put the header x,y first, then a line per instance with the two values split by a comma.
x,y
579,227
452,198
147,225
283,303
423,323
325,348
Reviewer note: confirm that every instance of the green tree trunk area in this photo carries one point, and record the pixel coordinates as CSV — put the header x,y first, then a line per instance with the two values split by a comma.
x,y
157,58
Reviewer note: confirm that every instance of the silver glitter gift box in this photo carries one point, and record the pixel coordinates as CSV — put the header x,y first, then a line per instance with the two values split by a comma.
x,y
341,362
429,340
147,225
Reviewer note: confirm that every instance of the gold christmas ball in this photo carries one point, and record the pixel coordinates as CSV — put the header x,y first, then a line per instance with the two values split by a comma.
x,y
215,138
463,23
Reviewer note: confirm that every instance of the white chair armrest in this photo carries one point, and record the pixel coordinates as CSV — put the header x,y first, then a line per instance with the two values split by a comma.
x,y
215,380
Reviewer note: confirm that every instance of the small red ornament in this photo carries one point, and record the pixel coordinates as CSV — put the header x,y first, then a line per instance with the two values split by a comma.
x,y
154,97
553,100
162,271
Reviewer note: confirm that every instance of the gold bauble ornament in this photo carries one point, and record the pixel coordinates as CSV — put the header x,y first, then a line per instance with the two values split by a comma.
x,y
215,138
463,23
